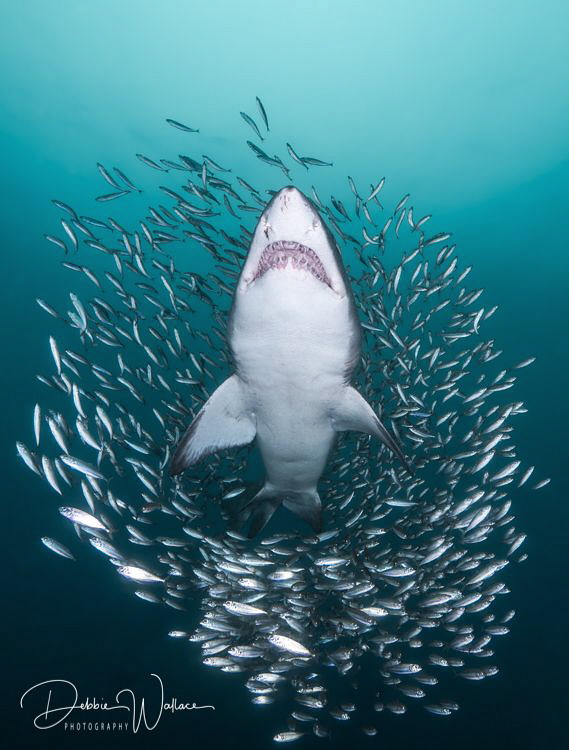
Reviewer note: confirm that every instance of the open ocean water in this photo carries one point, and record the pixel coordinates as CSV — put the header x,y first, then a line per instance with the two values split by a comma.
x,y
462,105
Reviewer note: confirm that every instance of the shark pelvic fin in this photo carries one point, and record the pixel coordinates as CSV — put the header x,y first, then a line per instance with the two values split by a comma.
x,y
223,422
260,508
354,413
308,506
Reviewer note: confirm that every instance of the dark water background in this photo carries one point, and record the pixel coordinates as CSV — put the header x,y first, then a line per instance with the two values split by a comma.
x,y
463,105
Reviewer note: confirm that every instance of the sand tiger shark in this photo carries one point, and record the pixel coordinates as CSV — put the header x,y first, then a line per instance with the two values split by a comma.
x,y
295,339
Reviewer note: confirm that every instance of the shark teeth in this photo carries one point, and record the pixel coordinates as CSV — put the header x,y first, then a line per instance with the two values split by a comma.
x,y
280,254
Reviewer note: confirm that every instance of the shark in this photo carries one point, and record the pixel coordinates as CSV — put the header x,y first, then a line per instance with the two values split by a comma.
x,y
295,340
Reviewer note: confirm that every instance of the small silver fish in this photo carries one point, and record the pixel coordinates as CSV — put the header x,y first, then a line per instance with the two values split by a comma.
x,y
82,518
284,643
238,608
138,574
57,547
82,467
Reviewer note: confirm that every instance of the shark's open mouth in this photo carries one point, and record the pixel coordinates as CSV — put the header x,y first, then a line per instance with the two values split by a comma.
x,y
280,254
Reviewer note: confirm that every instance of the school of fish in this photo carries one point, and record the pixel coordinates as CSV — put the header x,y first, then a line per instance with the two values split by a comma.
x,y
402,592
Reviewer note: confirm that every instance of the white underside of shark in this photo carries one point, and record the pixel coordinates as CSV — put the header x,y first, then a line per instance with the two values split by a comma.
x,y
295,340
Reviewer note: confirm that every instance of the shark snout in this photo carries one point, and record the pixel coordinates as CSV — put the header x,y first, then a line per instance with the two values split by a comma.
x,y
289,195
290,201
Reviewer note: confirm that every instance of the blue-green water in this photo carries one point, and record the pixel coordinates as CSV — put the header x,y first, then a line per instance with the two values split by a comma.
x,y
463,106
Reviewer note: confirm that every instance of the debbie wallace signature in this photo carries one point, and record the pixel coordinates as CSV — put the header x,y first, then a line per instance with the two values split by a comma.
x,y
62,698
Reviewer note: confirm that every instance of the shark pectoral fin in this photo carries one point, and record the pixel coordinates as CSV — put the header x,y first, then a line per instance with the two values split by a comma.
x,y
222,422
308,506
354,413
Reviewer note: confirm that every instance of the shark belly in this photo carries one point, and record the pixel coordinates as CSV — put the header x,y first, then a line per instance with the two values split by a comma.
x,y
293,362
